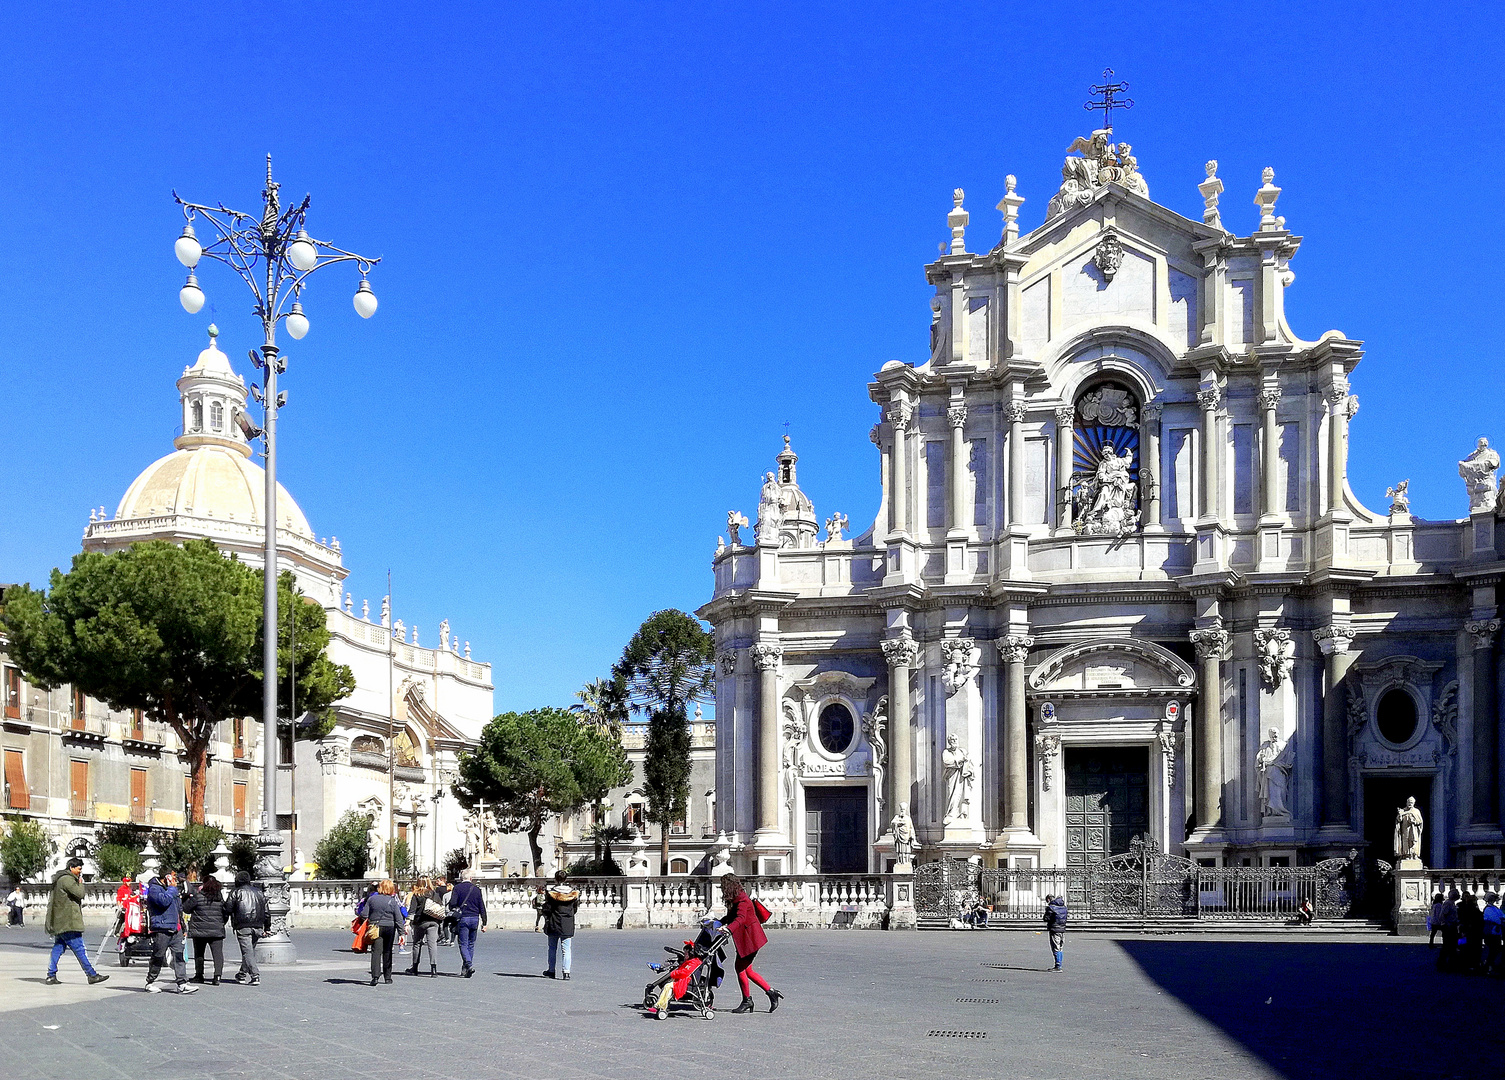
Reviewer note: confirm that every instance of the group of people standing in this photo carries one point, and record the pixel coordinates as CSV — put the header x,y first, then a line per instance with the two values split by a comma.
x,y
435,913
1473,937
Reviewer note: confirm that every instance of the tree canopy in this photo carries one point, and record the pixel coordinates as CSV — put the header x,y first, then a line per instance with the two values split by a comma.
x,y
530,765
177,633
667,666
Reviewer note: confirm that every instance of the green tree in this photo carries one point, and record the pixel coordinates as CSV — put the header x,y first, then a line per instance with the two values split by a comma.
x,y
187,850
602,704
343,853
399,859
25,848
454,862
175,632
668,666
531,765
115,861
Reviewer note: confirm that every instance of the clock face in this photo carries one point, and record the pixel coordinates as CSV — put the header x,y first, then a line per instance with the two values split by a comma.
x,y
836,728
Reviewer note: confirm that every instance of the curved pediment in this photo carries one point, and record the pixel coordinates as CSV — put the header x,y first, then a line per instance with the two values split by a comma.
x,y
1107,665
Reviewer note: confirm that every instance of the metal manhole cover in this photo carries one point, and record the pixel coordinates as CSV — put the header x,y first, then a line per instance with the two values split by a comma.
x,y
939,1034
977,1001
990,980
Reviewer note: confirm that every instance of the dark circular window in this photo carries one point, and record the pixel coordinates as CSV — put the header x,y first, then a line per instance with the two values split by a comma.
x,y
836,728
1396,716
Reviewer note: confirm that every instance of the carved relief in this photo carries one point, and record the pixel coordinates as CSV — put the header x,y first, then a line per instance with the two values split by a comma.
x,y
1110,406
875,728
962,659
728,660
1047,746
1109,255
1358,711
1269,397
1065,416
1445,716
1210,398
1101,163
1167,738
1277,655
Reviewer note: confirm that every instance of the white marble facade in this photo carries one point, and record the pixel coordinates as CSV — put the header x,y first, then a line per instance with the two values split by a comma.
x,y
1116,570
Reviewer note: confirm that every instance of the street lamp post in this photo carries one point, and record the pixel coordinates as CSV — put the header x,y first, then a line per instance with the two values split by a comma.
x,y
274,255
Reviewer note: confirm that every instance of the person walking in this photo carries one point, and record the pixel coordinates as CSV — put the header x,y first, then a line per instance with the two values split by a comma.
x,y
469,906
385,913
1470,932
1055,923
1494,933
250,917
65,922
744,920
16,903
446,924
427,916
559,905
164,906
1448,920
207,912
1434,920
540,895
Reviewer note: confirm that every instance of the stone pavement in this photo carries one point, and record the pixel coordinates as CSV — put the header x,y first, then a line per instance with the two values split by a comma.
x,y
860,1004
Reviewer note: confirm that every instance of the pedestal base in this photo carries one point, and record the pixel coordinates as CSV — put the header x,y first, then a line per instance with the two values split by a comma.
x,y
901,912
769,852
1413,901
1015,845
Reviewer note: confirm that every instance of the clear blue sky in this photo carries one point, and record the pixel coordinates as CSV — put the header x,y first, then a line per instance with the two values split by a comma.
x,y
622,246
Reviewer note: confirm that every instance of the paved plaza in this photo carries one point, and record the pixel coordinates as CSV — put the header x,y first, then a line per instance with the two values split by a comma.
x,y
860,1004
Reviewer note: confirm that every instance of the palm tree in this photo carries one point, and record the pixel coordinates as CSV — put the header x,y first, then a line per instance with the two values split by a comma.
x,y
602,705
667,667
606,834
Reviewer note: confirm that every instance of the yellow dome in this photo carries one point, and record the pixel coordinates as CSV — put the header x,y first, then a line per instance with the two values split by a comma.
x,y
208,481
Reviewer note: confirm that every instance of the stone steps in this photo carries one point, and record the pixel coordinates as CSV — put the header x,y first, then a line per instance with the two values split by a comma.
x,y
1358,928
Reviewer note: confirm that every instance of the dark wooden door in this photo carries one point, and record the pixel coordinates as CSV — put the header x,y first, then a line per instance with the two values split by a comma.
x,y
836,829
1107,801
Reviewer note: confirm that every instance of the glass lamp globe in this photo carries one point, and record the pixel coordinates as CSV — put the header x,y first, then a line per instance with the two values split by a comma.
x,y
190,295
297,322
364,300
301,252
187,248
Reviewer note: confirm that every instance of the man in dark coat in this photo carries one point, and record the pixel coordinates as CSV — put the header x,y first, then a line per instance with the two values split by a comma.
x,y
469,906
65,922
1055,923
250,918
164,906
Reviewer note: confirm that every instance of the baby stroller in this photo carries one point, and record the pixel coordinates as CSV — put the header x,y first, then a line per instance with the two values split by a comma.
x,y
692,976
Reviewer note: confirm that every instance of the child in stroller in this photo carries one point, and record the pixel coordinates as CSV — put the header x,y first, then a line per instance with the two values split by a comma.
x,y
692,976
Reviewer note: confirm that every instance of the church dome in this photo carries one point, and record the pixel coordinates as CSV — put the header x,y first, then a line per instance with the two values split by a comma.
x,y
208,481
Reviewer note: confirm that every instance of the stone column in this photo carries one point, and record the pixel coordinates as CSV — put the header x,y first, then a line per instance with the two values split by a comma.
x,y
1334,641
1269,398
1483,632
1015,411
1065,456
1210,399
1015,649
886,478
1211,645
1337,444
899,414
900,652
1149,462
766,655
956,415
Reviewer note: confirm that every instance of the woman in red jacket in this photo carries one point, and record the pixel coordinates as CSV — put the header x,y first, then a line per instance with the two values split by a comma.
x,y
744,921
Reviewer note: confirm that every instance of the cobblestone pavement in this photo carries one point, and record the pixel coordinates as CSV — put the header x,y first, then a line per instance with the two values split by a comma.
x,y
860,1004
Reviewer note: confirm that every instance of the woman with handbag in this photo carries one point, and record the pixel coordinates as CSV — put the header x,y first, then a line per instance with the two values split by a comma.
x,y
358,925
744,920
385,921
427,915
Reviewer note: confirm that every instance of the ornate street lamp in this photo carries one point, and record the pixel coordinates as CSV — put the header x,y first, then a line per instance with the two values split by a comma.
x,y
273,254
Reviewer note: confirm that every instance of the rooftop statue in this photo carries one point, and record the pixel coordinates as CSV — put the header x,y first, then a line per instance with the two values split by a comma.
x,y
1101,163
1478,472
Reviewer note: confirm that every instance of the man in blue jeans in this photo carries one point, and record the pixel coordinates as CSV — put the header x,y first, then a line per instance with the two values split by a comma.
x,y
469,906
65,922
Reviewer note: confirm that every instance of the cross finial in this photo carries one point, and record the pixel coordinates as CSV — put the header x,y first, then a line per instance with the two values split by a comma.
x,y
1106,98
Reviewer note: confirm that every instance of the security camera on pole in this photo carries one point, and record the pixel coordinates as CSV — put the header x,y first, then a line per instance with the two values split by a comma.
x,y
274,255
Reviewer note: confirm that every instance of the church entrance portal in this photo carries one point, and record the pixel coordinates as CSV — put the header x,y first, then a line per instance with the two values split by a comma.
x,y
1383,796
1107,801
836,829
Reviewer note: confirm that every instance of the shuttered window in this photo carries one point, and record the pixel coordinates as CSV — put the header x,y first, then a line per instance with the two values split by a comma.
x,y
13,693
15,781
78,789
138,795
240,806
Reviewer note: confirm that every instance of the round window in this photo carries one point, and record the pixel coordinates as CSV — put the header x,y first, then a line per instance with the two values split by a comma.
x,y
1395,716
836,728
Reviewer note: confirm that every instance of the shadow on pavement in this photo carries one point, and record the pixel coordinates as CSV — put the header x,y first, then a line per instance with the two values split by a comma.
x,y
348,982
1328,1009
518,975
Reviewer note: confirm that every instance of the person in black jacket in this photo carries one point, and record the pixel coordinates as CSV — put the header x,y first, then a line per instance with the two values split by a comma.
x,y
469,906
1055,923
207,912
385,913
250,918
425,926
559,922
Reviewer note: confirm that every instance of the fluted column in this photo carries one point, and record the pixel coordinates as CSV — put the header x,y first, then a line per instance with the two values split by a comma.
x,y
1269,398
1065,456
766,655
1483,632
956,415
1334,641
1015,411
1015,649
1211,645
899,413
900,652
1337,444
1149,462
1209,399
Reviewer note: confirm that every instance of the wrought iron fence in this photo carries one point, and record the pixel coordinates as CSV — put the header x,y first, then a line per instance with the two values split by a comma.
x,y
1142,883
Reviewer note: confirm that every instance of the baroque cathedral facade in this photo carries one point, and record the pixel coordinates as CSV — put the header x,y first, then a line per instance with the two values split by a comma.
x,y
1117,585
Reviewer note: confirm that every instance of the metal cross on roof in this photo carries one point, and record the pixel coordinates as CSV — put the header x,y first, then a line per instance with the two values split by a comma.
x,y
1106,98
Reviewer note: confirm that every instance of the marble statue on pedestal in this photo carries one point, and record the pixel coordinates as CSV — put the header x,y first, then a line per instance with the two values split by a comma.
x,y
1273,766
1408,826
904,835
960,773
1478,471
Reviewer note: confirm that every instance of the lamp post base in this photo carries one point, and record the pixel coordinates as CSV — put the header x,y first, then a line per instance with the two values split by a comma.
x,y
277,947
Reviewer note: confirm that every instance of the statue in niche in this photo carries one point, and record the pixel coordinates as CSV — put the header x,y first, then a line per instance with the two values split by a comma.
x,y
1478,472
1408,826
1112,510
902,827
1273,766
960,774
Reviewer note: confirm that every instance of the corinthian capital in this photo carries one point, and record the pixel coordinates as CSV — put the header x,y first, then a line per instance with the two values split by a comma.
x,y
1333,639
1483,631
900,651
1210,398
1066,416
1269,397
767,654
956,415
1015,411
1211,643
728,660
1015,648
900,412
1336,395
1149,416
